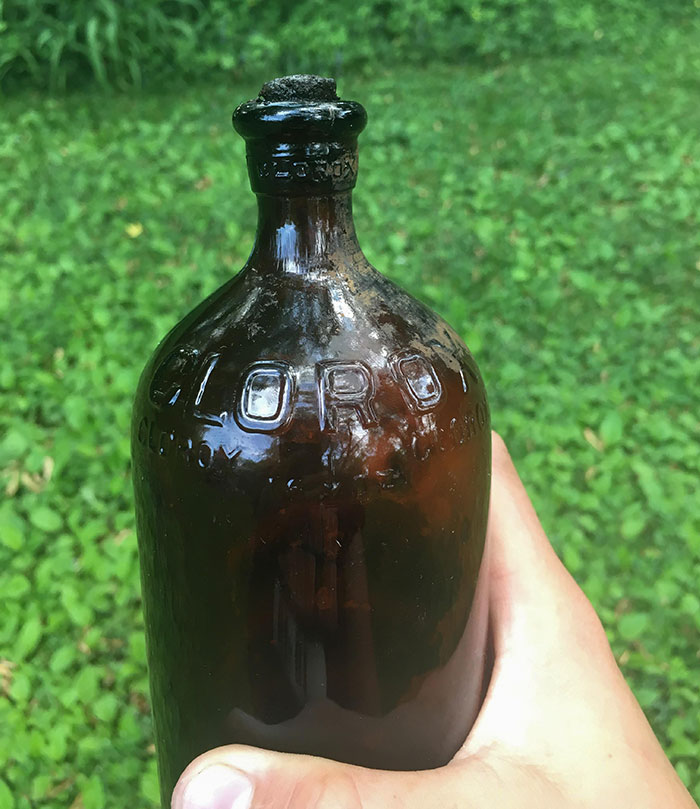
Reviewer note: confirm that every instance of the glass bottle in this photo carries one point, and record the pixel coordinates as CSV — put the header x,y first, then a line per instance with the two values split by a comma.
x,y
311,456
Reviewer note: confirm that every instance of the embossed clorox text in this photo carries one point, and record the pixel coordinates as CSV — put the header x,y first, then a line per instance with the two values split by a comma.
x,y
267,395
265,398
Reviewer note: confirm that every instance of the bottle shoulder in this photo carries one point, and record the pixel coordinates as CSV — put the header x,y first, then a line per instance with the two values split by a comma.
x,y
294,368
306,316
343,328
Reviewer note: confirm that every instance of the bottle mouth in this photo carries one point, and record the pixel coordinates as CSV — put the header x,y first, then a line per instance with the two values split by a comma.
x,y
299,87
301,139
299,107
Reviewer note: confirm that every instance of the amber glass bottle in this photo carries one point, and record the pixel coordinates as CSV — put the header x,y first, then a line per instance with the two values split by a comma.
x,y
311,457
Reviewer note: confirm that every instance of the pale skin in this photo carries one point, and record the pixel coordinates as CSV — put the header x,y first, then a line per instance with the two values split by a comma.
x,y
559,726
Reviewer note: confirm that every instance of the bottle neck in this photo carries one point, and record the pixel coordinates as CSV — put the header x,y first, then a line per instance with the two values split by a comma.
x,y
301,234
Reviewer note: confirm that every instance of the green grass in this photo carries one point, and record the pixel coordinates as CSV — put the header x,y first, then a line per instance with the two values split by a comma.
x,y
548,209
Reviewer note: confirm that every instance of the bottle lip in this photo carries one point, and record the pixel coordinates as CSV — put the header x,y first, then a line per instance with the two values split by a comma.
x,y
294,121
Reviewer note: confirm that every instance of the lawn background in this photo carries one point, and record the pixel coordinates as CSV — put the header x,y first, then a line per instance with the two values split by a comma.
x,y
542,197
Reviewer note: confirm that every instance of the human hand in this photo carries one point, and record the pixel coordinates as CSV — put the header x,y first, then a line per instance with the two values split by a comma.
x,y
559,726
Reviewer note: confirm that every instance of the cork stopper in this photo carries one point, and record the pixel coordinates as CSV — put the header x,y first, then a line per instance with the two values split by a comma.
x,y
299,87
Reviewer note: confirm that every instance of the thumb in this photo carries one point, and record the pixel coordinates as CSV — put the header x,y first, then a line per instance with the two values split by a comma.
x,y
239,777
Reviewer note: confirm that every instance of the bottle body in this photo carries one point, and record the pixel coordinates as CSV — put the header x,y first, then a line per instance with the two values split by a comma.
x,y
311,456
